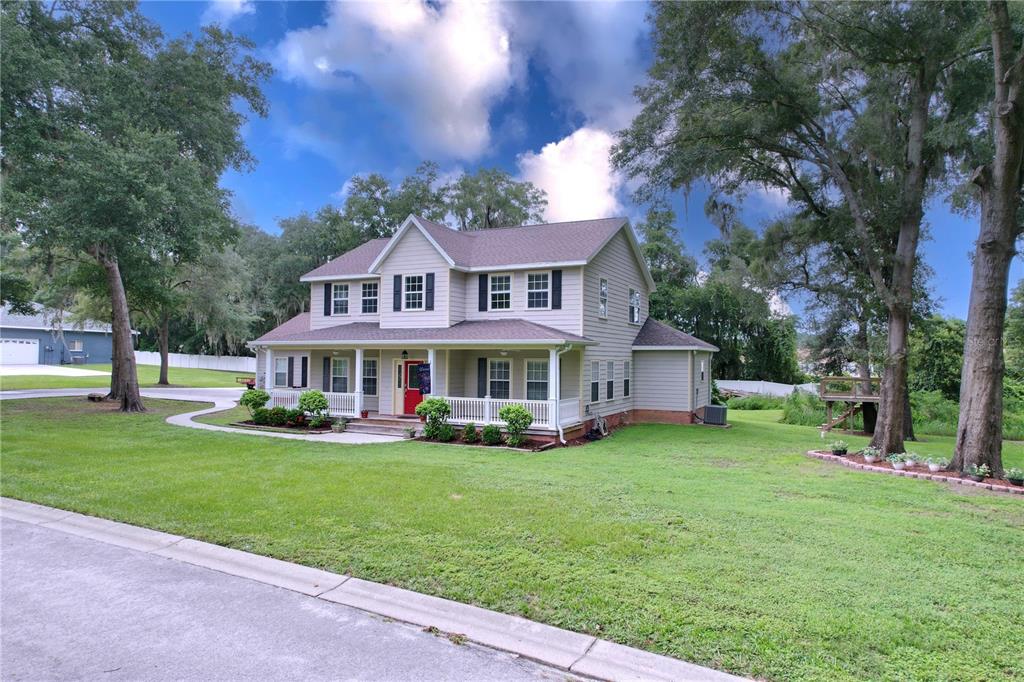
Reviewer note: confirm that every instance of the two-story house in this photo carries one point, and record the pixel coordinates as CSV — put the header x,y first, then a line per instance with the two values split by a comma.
x,y
553,317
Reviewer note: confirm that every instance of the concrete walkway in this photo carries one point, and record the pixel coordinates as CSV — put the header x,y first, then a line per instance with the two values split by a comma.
x,y
222,399
153,617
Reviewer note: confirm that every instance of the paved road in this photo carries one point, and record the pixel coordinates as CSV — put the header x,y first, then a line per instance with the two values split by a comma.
x,y
74,608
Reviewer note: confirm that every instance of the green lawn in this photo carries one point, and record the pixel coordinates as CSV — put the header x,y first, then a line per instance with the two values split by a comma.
x,y
148,376
724,547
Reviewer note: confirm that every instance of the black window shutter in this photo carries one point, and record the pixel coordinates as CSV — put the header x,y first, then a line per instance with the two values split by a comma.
x,y
291,370
397,299
327,375
305,371
595,391
556,289
429,292
611,389
481,376
482,294
328,295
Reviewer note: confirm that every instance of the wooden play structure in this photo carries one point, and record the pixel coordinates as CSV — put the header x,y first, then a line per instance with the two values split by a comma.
x,y
853,392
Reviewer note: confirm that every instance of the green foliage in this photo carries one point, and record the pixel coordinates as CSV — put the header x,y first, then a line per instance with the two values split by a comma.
x,y
470,434
517,419
756,402
838,446
981,470
254,399
490,434
445,433
1011,474
317,420
314,403
436,411
1014,334
261,416
277,416
493,198
295,417
936,356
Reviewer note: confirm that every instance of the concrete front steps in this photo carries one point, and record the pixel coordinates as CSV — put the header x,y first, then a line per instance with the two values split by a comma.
x,y
384,426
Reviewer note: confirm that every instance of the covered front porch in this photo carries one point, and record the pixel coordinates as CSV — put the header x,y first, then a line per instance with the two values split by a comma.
x,y
392,381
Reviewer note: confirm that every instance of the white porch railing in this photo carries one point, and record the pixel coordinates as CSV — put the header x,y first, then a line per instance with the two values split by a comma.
x,y
569,411
340,404
485,410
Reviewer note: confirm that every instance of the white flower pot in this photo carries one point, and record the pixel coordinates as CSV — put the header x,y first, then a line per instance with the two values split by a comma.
x,y
898,466
870,459
934,468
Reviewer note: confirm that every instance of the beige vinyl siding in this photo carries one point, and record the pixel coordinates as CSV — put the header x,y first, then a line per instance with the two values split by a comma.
x,y
414,255
456,296
704,387
317,319
617,263
261,369
570,375
566,318
457,385
661,380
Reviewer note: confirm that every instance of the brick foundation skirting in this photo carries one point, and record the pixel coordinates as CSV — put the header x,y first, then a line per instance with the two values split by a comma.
x,y
662,417
927,475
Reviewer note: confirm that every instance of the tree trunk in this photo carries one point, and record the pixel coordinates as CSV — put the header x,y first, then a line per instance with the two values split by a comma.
x,y
164,334
889,429
979,433
908,416
115,365
127,386
869,411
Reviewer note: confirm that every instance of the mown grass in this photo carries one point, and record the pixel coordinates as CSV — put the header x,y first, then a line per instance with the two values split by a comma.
x,y
148,376
729,548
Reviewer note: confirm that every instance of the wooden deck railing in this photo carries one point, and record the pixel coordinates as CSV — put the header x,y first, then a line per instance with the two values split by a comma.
x,y
850,389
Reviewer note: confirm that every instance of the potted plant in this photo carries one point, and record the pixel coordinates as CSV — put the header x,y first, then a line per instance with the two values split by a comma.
x,y
409,432
936,464
1015,475
339,425
978,472
838,448
870,454
364,413
897,461
911,458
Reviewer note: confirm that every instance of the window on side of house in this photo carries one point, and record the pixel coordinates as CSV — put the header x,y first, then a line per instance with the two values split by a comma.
x,y
602,299
536,379
634,306
369,376
627,371
500,292
538,290
76,346
280,371
499,374
339,375
413,292
371,296
702,370
610,384
339,298
595,381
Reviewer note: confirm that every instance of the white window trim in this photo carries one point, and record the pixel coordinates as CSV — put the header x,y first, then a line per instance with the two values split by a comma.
x,y
277,362
526,377
334,299
606,297
405,293
639,306
363,298
76,346
376,377
347,374
511,376
490,291
595,379
526,283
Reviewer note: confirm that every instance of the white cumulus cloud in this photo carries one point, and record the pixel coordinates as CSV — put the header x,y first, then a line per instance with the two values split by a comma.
x,y
441,67
223,12
577,175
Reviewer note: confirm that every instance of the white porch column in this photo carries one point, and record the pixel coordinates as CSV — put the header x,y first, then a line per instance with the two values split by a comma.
x,y
268,378
431,357
554,389
357,377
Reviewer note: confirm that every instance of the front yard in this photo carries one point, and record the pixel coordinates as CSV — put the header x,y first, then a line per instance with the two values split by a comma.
x,y
728,548
148,376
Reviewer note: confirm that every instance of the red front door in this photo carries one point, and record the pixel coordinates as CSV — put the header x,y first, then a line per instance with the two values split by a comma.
x,y
413,397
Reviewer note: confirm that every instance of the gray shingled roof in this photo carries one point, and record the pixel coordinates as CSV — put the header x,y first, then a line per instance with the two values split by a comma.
x,y
296,330
576,241
43,319
660,335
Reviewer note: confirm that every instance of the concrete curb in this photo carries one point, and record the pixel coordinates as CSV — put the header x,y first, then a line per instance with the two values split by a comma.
x,y
577,653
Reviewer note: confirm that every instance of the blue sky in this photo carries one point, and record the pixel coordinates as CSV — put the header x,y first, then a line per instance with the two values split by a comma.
x,y
537,89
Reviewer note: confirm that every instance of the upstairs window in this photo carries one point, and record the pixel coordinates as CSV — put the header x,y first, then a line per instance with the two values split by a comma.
x,y
501,292
371,296
634,306
602,299
414,292
627,370
536,379
595,381
538,290
610,384
500,379
339,300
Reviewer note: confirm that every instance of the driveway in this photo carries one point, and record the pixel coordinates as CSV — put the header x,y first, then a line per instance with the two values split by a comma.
x,y
48,370
75,608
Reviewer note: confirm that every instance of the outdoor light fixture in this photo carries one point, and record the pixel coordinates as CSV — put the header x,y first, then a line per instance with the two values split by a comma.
x,y
504,353
405,355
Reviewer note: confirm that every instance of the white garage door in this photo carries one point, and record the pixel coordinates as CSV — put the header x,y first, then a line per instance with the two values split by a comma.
x,y
19,351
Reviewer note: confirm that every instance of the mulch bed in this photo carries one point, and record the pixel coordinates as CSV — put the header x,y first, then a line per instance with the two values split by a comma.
x,y
528,446
250,424
856,461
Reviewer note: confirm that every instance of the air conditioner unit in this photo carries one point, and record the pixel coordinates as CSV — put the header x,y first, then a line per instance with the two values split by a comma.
x,y
715,414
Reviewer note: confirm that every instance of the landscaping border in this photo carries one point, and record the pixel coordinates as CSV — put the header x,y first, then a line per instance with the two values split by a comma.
x,y
927,475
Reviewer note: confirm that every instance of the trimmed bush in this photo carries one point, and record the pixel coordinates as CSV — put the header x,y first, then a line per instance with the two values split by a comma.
x,y
261,416
756,402
254,400
314,403
470,434
491,435
445,433
277,416
436,411
517,419
295,417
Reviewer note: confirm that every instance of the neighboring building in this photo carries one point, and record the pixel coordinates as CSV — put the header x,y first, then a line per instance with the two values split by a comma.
x,y
39,340
553,317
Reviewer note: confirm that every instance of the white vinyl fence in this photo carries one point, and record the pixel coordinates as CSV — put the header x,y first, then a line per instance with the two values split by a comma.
x,y
227,363
763,387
